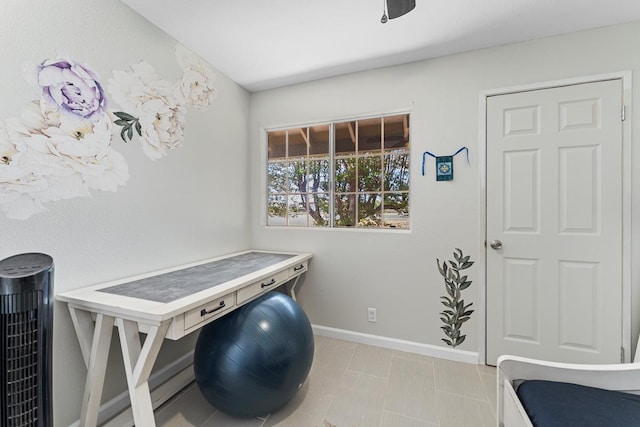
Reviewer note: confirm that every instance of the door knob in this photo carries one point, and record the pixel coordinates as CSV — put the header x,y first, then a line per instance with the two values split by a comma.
x,y
496,244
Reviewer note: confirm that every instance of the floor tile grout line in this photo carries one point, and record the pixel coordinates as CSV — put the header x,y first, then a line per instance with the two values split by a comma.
x,y
265,420
362,372
326,413
366,373
209,417
478,377
463,396
353,354
435,385
386,392
486,393
412,418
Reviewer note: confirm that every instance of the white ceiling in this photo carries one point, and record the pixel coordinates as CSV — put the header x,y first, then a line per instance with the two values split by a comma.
x,y
262,44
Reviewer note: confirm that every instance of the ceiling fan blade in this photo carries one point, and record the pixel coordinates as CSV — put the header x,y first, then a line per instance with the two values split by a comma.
x,y
397,8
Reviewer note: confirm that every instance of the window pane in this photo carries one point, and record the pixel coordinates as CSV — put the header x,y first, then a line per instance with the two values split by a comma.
x,y
277,177
297,142
319,140
319,209
370,173
369,210
396,210
345,209
345,179
277,144
396,172
396,132
369,135
318,180
297,214
276,209
297,176
345,138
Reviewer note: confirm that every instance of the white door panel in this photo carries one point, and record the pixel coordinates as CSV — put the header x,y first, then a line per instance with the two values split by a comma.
x,y
554,200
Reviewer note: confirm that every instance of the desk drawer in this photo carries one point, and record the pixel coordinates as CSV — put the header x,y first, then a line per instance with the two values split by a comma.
x,y
298,268
209,310
267,284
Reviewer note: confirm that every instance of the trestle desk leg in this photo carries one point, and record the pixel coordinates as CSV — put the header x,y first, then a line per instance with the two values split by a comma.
x,y
292,288
138,362
94,344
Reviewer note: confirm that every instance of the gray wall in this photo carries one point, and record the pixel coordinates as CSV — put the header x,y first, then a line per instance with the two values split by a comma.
x,y
396,271
188,206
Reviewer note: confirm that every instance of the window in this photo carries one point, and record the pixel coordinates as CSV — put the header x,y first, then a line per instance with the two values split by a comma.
x,y
342,174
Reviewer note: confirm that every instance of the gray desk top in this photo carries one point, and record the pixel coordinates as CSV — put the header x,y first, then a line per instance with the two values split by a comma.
x,y
178,284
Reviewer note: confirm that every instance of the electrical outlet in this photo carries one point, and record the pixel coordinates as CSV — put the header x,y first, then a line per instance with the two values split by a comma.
x,y
371,315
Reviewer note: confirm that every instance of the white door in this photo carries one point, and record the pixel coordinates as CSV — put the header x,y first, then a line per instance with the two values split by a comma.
x,y
554,202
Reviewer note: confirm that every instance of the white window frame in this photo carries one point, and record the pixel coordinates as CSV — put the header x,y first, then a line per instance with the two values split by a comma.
x,y
332,158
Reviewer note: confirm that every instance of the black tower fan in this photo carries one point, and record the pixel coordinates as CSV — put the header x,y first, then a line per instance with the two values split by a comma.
x,y
26,331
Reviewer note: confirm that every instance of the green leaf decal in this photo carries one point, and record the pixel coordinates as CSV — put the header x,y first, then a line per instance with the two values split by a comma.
x,y
125,116
457,312
128,123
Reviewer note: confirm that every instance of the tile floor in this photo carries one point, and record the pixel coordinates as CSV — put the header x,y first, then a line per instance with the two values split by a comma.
x,y
354,384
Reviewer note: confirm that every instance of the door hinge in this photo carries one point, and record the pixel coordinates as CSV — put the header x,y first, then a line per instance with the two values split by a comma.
x,y
621,354
622,113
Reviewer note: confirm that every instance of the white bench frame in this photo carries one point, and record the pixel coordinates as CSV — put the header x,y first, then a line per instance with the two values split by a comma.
x,y
513,369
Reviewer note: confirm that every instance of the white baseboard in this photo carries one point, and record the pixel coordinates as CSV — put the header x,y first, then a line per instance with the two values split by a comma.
x,y
164,384
396,344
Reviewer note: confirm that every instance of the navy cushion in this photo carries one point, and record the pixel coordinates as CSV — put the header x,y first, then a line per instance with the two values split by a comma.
x,y
555,404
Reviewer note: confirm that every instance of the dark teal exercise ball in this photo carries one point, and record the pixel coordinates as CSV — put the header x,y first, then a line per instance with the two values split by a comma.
x,y
253,360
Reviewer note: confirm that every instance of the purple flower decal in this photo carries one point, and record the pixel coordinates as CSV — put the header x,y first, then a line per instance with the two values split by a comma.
x,y
72,87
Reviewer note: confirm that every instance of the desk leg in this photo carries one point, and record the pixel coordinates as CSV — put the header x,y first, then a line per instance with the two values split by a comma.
x,y
138,361
94,344
292,289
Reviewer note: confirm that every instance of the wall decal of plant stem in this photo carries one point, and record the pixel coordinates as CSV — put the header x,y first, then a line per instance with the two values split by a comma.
x,y
457,312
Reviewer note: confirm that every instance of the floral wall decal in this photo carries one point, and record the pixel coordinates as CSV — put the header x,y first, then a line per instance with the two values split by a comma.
x,y
457,312
69,87
197,79
154,107
60,147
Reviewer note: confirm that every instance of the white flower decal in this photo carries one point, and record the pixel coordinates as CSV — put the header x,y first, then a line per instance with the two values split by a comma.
x,y
49,157
154,108
197,79
16,181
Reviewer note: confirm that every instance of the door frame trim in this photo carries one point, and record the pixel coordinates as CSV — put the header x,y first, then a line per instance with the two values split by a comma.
x,y
626,78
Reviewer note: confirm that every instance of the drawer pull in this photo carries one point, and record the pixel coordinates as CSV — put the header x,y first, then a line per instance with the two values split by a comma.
x,y
298,268
264,285
204,311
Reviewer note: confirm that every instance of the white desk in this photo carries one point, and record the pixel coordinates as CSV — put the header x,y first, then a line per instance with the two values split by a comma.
x,y
178,310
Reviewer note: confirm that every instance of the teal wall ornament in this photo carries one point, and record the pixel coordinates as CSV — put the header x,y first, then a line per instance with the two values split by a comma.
x,y
444,164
